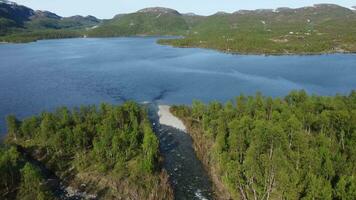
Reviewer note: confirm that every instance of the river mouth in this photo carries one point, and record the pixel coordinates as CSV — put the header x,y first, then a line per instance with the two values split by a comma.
x,y
187,175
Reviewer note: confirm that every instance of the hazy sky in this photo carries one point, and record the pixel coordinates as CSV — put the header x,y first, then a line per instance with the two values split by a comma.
x,y
109,8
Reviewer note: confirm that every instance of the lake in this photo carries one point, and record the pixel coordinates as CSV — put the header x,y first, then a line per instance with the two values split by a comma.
x,y
50,73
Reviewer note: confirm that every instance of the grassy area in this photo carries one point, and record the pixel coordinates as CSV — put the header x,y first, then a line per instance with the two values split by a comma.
x,y
324,29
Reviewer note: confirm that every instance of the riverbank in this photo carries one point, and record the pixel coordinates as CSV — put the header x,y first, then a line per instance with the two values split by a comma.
x,y
202,147
187,174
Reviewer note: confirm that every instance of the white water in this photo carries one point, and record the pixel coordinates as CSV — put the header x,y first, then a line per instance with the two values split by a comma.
x,y
168,119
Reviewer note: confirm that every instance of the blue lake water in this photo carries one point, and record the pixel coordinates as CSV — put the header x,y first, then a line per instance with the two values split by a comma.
x,y
46,74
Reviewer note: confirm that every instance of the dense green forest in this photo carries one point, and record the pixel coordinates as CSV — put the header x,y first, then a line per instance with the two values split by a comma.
x,y
111,150
30,36
296,147
20,179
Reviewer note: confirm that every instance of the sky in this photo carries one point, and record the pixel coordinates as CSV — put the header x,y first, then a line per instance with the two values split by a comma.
x,y
108,8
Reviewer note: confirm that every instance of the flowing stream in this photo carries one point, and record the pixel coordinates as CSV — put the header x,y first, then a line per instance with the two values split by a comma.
x,y
187,174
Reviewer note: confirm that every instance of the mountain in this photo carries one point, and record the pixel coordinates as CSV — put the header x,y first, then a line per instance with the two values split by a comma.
x,y
322,28
15,19
159,10
148,21
16,13
45,14
314,29
13,15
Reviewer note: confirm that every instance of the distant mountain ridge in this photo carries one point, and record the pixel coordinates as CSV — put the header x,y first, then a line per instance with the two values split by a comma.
x,y
14,17
159,10
317,28
45,14
147,21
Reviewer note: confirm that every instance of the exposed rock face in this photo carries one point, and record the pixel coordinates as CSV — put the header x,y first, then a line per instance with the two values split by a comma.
x,y
190,14
81,18
159,10
243,12
221,13
15,12
92,18
281,9
323,5
264,10
45,14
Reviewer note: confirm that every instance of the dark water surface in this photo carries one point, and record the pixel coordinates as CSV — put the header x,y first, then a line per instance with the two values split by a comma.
x,y
71,72
187,175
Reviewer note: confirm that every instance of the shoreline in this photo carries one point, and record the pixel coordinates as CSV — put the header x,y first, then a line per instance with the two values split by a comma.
x,y
201,148
232,52
168,119
331,52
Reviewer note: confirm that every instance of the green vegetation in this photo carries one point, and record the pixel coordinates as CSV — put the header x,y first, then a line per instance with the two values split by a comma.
x,y
30,36
318,29
323,28
20,179
297,147
21,24
141,24
112,150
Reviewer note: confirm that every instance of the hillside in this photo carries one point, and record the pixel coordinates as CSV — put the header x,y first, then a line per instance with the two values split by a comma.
x,y
322,28
319,29
13,15
149,21
22,24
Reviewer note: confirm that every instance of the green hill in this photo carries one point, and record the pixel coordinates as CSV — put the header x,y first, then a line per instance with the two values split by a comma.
x,y
149,21
21,24
321,28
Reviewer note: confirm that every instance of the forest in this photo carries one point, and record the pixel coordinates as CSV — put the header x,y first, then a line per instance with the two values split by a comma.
x,y
31,36
296,147
108,151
